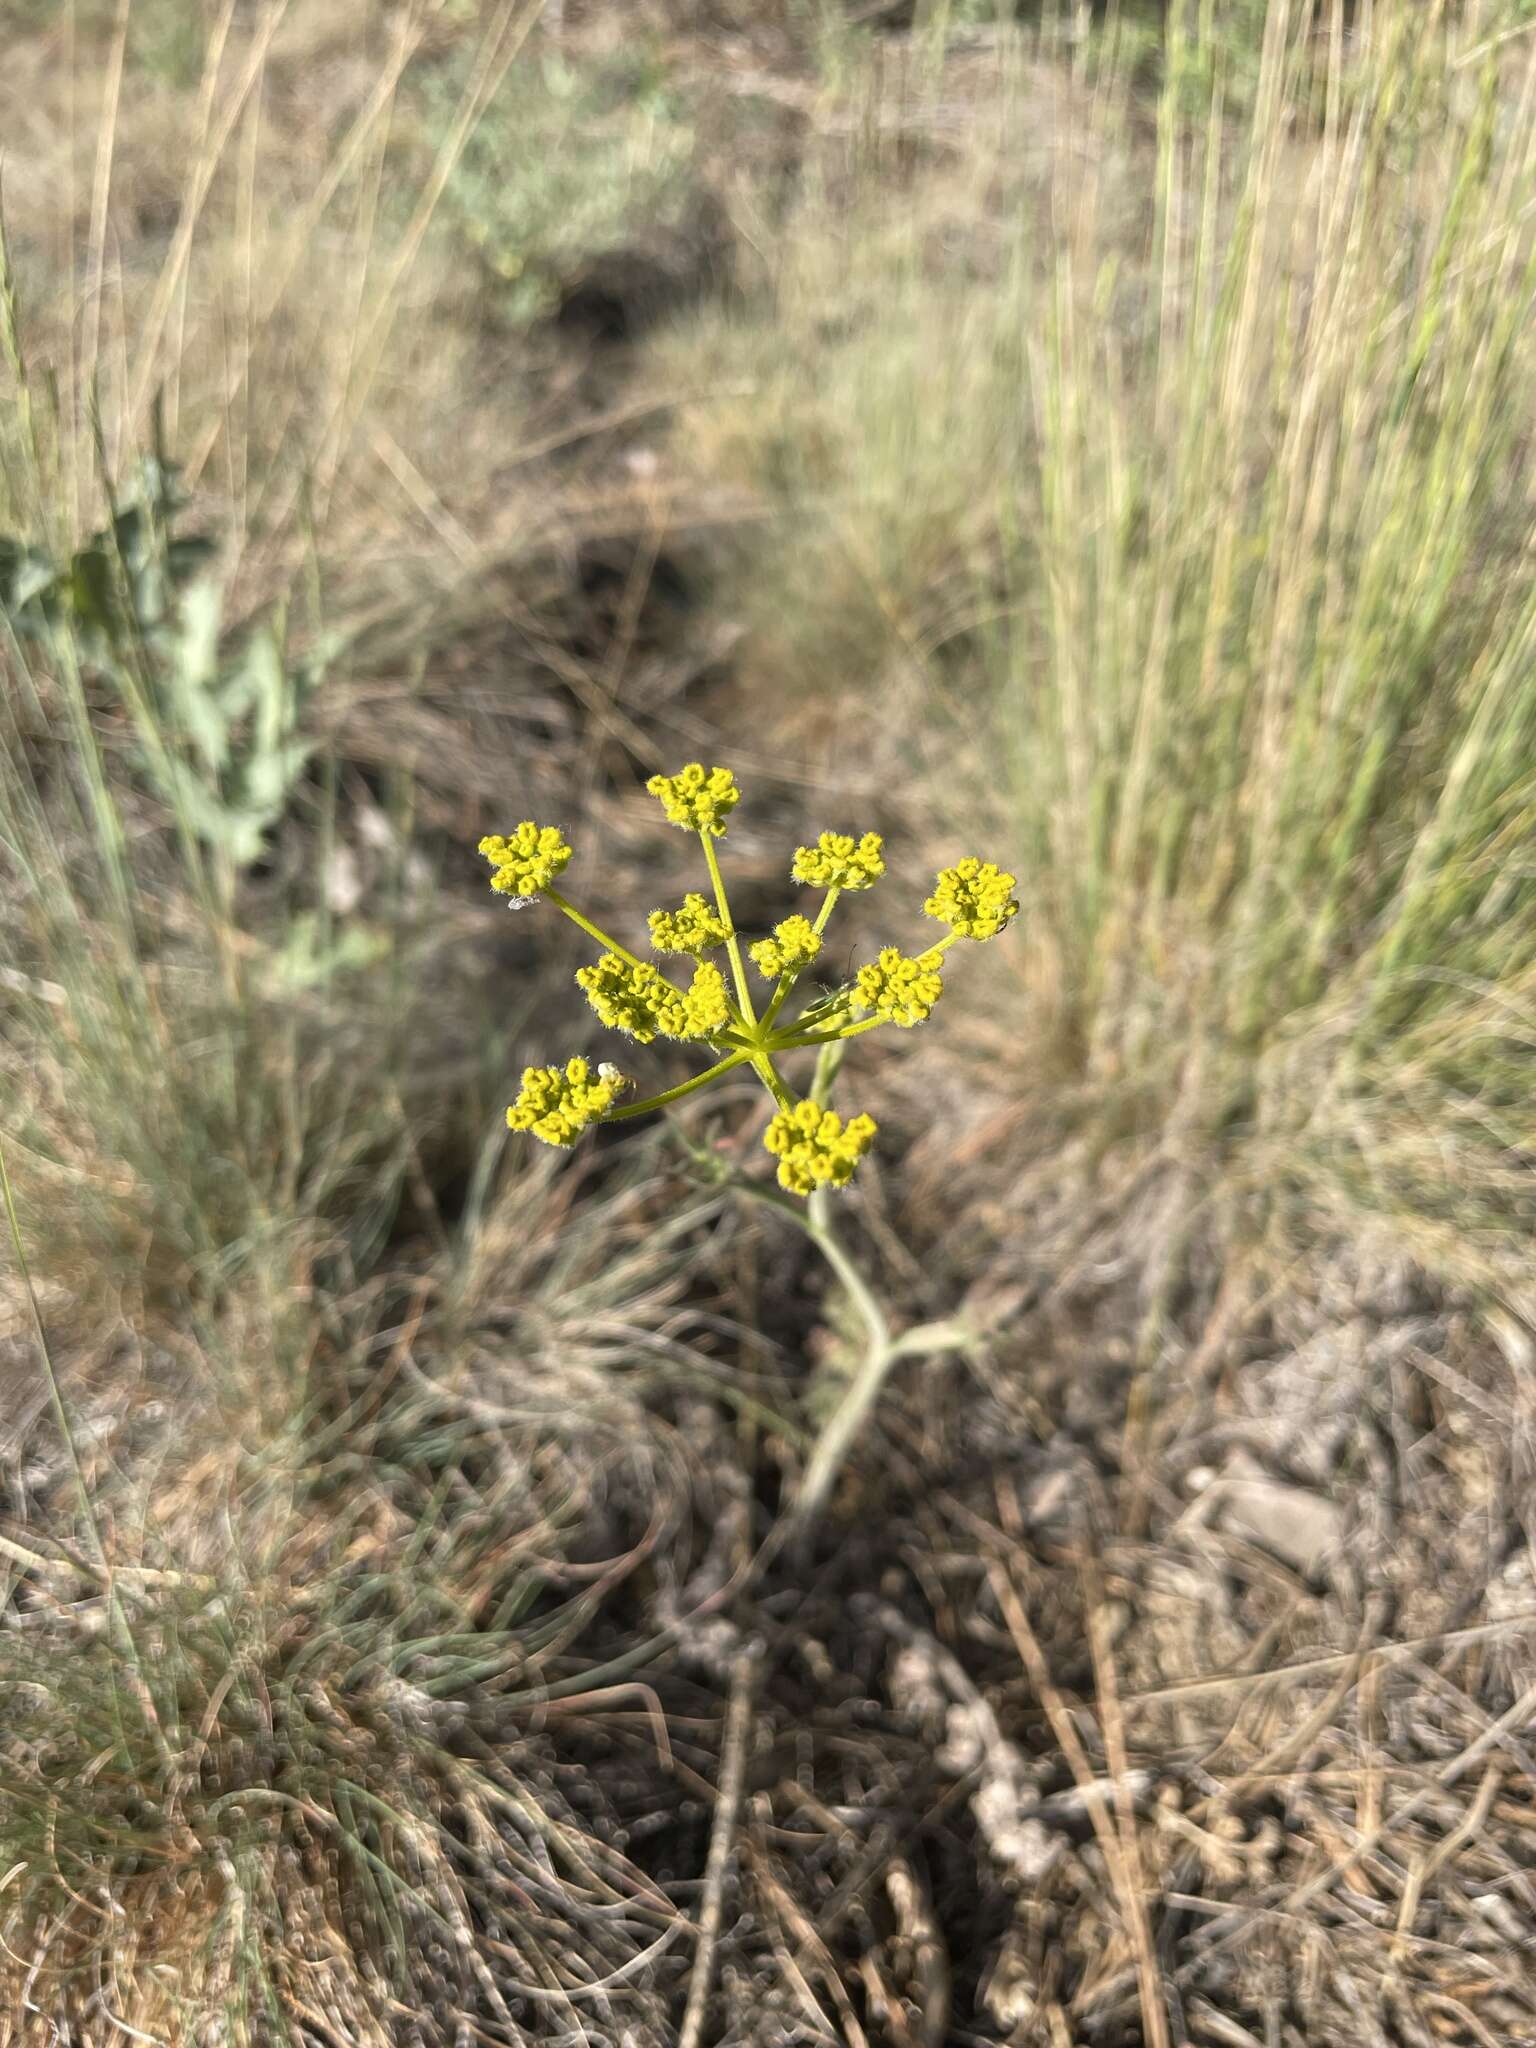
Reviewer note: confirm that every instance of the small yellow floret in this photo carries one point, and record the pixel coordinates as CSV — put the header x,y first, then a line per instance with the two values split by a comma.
x,y
839,861
898,988
637,998
694,928
815,1148
557,1104
526,862
696,798
974,898
795,944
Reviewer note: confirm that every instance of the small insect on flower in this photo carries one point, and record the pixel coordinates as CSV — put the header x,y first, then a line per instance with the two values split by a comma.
x,y
795,944
696,927
838,861
898,988
557,1103
697,799
815,1148
974,898
526,862
635,997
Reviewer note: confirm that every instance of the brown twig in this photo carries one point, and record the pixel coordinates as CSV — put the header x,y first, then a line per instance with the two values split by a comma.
x,y
733,1766
930,1956
1424,1867
1303,1895
1154,2011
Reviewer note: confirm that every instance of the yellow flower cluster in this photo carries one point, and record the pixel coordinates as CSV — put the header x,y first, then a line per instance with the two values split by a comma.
x,y
633,996
556,1104
815,1148
813,1145
795,944
838,861
694,928
527,862
974,898
900,989
696,798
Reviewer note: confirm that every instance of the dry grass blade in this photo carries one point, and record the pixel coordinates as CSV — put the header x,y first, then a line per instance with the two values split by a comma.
x,y
209,155
1120,1856
1424,1867
733,1765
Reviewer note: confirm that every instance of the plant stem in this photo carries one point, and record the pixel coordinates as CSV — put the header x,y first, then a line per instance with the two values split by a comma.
x,y
61,1413
818,1014
827,1064
789,1042
767,1073
722,902
733,1772
787,981
825,911
735,1059
882,1347
592,930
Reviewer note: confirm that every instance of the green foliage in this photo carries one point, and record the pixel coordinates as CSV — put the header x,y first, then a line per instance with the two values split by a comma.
x,y
219,734
116,590
230,751
167,39
563,163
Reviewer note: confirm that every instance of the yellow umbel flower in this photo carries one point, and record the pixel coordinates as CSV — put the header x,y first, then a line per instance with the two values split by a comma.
x,y
839,861
900,989
815,1148
635,997
557,1103
974,898
694,928
527,862
696,798
795,944
706,1007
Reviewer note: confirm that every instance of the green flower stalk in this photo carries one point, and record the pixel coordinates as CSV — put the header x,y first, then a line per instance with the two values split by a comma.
x,y
815,1148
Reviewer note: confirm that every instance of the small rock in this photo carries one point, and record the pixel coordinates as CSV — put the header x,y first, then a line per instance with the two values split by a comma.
x,y
1300,1527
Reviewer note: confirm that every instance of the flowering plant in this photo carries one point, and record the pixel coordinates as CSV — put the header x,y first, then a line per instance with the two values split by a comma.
x,y
814,1146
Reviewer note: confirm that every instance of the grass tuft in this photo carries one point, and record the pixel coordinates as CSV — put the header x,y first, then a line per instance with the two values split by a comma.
x,y
1194,511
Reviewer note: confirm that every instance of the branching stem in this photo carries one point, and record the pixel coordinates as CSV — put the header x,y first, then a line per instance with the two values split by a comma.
x,y
735,1059
882,1346
732,943
593,931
